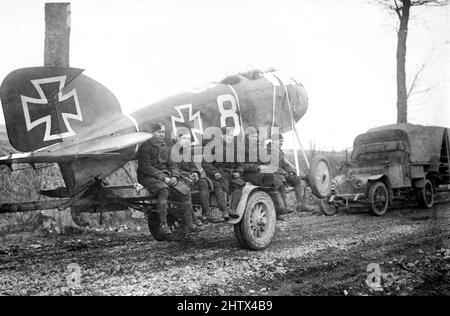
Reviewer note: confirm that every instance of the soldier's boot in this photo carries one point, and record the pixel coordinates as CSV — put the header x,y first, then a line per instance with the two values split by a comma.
x,y
280,204
207,212
188,223
196,220
162,229
211,218
221,197
304,208
226,214
204,200
236,195
284,196
301,205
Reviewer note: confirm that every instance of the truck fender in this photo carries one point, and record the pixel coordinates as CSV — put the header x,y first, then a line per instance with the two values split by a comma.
x,y
246,191
420,183
375,177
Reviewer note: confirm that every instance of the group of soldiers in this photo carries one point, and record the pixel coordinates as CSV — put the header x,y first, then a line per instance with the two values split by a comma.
x,y
164,178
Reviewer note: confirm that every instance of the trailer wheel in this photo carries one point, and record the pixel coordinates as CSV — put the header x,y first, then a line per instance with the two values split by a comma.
x,y
77,216
379,198
425,195
319,177
256,229
327,208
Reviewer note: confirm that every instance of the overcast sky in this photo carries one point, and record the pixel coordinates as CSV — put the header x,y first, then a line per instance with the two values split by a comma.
x,y
342,51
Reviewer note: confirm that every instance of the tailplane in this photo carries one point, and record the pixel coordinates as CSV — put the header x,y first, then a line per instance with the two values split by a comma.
x,y
46,105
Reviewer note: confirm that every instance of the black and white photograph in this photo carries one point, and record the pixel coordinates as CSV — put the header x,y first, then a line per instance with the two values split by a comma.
x,y
225,153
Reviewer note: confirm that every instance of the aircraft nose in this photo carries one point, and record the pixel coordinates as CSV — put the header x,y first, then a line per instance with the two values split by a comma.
x,y
297,94
300,101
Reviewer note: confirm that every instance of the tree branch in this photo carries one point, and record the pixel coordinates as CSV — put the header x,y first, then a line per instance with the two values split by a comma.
x,y
429,2
414,82
397,10
423,90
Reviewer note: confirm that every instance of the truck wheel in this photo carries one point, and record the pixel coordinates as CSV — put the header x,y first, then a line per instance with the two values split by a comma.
x,y
379,198
319,177
327,208
256,229
425,195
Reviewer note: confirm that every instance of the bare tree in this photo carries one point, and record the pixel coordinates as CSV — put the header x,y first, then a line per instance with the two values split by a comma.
x,y
402,9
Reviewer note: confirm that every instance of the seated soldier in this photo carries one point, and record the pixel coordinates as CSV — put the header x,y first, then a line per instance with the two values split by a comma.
x,y
287,171
160,176
226,177
199,181
259,174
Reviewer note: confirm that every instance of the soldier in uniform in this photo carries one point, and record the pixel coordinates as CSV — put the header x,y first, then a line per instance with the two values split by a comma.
x,y
199,181
227,177
258,173
161,177
289,175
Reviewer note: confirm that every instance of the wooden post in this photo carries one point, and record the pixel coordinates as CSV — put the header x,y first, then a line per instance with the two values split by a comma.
x,y
57,34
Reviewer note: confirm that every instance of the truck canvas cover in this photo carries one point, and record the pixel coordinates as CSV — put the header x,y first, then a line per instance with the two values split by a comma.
x,y
426,142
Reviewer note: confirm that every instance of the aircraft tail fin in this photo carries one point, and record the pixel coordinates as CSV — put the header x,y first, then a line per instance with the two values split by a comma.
x,y
47,105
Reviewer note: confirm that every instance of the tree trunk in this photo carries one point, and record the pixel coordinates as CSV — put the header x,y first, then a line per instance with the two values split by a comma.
x,y
402,100
56,54
57,34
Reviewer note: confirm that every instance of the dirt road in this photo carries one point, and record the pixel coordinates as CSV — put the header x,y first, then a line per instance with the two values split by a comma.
x,y
311,254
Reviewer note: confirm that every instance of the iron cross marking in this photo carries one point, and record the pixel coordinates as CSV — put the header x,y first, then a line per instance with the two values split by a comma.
x,y
187,119
53,109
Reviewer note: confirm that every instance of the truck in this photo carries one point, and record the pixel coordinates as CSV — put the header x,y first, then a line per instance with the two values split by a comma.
x,y
390,164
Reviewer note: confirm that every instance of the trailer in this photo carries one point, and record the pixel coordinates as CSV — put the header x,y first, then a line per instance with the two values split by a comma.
x,y
254,229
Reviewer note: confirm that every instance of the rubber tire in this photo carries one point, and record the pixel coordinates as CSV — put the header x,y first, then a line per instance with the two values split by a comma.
x,y
421,195
242,229
76,215
238,234
326,208
312,174
373,188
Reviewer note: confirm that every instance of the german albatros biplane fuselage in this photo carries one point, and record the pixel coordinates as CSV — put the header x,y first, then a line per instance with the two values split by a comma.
x,y
59,115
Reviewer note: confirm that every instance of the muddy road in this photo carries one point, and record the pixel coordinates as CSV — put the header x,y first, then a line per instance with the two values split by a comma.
x,y
311,255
